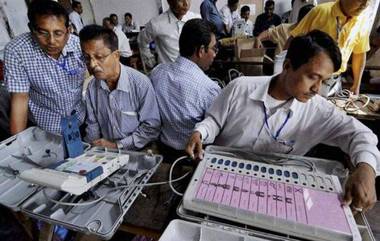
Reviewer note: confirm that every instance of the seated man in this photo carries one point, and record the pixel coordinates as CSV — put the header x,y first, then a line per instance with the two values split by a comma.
x,y
266,19
184,92
246,23
284,114
122,111
130,25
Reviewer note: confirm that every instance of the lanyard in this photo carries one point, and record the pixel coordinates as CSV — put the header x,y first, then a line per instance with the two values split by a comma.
x,y
64,67
281,127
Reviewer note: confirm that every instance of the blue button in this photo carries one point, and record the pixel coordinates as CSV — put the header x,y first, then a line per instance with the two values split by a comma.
x,y
263,169
227,162
255,168
220,161
271,171
234,164
241,165
213,160
279,172
295,175
248,166
286,174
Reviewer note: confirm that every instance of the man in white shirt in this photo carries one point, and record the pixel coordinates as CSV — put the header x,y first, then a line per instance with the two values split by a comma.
x,y
75,17
229,14
244,26
123,42
284,114
165,30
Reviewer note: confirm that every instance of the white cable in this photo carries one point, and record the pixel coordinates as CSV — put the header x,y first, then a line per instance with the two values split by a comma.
x,y
112,189
171,172
350,100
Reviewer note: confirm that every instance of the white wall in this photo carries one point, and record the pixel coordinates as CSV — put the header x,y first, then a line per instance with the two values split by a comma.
x,y
142,10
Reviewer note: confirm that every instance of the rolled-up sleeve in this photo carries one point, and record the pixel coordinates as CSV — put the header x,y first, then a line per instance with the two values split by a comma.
x,y
149,119
15,76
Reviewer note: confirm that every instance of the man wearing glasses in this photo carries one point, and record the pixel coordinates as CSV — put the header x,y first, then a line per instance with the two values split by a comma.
x,y
122,110
284,114
184,92
43,70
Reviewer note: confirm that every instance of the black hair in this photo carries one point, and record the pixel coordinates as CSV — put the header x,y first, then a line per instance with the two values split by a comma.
x,y
45,7
107,19
195,34
96,32
113,15
232,2
128,14
75,4
244,9
304,11
269,3
303,48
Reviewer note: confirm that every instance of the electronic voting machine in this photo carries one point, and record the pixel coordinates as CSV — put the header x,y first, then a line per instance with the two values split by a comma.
x,y
280,198
112,181
77,175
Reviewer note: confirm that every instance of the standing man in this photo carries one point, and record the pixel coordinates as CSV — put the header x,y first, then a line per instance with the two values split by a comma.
x,y
343,21
267,19
75,17
210,13
164,30
285,114
184,92
121,104
44,71
230,15
123,42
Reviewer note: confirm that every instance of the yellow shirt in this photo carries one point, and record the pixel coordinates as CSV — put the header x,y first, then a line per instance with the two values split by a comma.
x,y
351,36
279,35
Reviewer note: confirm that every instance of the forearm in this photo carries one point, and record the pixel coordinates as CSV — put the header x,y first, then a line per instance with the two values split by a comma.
x,y
18,113
144,134
358,64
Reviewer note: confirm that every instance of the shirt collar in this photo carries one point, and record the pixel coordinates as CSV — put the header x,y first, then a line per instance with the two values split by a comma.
x,y
182,61
174,19
123,82
261,91
337,11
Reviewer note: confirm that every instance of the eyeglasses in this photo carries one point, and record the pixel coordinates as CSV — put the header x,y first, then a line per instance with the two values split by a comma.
x,y
99,59
42,34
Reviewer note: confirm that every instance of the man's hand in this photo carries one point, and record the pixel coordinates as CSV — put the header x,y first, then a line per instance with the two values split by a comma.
x,y
360,190
194,146
105,143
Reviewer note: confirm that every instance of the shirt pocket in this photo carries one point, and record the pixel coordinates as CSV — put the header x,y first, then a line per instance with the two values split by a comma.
x,y
128,121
